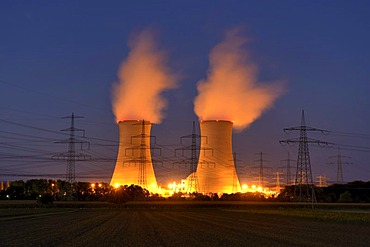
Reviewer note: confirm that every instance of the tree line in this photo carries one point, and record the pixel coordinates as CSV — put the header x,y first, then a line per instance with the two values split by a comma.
x,y
47,191
352,192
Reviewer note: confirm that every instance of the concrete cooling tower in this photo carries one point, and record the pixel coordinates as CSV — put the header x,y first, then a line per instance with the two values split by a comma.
x,y
134,161
216,170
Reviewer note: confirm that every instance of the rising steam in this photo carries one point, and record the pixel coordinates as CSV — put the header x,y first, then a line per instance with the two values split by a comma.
x,y
230,91
143,76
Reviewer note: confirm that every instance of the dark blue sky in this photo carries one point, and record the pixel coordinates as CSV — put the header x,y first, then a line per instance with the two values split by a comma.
x,y
58,57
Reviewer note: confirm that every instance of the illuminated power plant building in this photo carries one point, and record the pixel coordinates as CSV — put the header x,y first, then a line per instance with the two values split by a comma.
x,y
216,171
134,161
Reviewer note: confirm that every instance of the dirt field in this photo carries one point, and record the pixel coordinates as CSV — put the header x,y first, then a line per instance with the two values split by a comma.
x,y
182,227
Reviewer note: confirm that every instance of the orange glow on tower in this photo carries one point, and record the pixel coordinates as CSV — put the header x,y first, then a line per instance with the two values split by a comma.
x,y
216,170
134,161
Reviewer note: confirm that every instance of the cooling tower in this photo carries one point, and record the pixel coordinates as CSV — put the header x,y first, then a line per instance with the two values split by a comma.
x,y
216,170
134,161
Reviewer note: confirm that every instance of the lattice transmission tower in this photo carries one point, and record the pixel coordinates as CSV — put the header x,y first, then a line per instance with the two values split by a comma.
x,y
193,161
323,181
278,179
142,181
262,168
142,160
71,156
304,186
288,169
339,162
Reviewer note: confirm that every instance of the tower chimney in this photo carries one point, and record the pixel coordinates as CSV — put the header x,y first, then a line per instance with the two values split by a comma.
x,y
134,161
216,170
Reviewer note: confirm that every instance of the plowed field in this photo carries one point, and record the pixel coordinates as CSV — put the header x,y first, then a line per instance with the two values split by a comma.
x,y
181,227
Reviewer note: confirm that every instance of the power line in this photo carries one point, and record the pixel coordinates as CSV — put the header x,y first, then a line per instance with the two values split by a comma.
x,y
144,157
71,156
29,126
349,134
322,181
339,162
193,179
261,169
303,180
47,130
288,168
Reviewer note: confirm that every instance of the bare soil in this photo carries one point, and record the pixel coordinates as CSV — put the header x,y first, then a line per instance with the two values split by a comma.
x,y
181,227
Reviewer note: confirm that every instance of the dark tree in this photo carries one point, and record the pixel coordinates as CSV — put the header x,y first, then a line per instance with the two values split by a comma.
x,y
345,197
45,200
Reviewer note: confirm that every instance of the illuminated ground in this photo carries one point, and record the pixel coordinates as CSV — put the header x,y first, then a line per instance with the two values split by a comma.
x,y
183,227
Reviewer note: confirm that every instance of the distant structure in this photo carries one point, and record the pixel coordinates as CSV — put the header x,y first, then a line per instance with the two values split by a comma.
x,y
304,186
71,156
278,184
4,187
216,169
192,179
134,162
339,162
323,181
288,169
262,168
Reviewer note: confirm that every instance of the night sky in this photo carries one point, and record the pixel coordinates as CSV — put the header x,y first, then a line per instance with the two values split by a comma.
x,y
59,57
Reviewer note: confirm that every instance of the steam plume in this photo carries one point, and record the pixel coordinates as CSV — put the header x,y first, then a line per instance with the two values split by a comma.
x,y
143,76
230,91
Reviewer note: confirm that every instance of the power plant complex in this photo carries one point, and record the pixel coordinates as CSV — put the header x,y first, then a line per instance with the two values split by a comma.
x,y
215,173
230,91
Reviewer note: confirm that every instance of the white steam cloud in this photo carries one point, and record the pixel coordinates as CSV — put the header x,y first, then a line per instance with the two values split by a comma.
x,y
143,76
230,91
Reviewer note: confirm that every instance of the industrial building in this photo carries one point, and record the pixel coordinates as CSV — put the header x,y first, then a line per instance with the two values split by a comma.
x,y
134,162
216,171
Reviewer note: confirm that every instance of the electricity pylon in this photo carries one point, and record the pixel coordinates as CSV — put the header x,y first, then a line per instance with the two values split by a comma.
x,y
71,156
288,168
339,162
303,180
262,169
193,161
142,160
278,178
323,181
